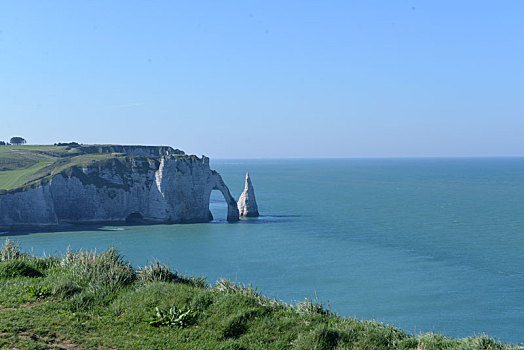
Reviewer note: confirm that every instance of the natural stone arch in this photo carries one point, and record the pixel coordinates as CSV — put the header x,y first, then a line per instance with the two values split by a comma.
x,y
232,209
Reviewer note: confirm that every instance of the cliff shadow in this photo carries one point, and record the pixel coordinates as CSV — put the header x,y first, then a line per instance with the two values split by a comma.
x,y
64,228
263,219
100,227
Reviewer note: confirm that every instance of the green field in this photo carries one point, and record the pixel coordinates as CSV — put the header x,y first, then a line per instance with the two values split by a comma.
x,y
20,165
86,300
23,167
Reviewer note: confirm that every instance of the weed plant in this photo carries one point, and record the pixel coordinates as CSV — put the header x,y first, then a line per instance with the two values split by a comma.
x,y
38,292
179,317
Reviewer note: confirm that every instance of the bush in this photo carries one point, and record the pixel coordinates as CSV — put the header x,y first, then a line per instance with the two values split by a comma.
x,y
17,140
70,144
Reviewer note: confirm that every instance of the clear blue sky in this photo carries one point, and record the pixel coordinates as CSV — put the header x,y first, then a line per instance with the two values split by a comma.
x,y
256,79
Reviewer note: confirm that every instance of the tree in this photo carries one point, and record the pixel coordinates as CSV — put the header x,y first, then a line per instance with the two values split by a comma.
x,y
17,140
2,143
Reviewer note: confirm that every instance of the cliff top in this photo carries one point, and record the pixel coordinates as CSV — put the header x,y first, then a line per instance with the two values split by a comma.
x,y
22,166
202,316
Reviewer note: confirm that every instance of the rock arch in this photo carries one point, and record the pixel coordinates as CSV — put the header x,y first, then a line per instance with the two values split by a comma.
x,y
232,209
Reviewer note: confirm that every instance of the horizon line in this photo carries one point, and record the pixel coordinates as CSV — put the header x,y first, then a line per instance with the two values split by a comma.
x,y
370,157
303,158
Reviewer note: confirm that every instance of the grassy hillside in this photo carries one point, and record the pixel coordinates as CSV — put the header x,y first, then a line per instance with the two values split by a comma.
x,y
87,300
22,164
23,167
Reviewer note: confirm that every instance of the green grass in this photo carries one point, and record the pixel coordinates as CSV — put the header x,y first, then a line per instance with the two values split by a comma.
x,y
97,300
13,178
24,167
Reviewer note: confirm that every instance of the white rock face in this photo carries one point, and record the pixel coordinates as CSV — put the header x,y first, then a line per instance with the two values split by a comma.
x,y
167,189
247,204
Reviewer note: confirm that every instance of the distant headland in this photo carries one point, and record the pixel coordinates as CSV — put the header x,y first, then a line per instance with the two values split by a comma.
x,y
69,183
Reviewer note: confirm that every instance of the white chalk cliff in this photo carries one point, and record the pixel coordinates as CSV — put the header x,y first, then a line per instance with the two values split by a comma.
x,y
165,188
247,204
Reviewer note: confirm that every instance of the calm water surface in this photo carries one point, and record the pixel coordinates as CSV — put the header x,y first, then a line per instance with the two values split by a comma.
x,y
424,244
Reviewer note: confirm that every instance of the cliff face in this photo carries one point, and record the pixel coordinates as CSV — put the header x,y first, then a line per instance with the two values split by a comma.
x,y
164,188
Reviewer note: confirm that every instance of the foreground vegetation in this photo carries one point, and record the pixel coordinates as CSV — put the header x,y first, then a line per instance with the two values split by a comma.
x,y
90,300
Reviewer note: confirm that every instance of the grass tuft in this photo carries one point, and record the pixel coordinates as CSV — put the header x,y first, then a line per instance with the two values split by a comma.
x,y
18,268
226,286
9,251
95,271
322,338
309,307
238,323
157,272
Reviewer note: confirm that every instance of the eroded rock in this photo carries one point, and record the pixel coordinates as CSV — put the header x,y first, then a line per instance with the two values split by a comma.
x,y
171,188
247,204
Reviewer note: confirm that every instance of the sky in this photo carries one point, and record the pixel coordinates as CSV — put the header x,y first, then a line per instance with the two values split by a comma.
x,y
267,79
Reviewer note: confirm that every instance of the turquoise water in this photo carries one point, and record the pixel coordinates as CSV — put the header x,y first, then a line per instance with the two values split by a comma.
x,y
424,244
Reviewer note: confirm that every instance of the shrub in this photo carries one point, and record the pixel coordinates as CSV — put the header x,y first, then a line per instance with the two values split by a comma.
x,y
70,144
17,140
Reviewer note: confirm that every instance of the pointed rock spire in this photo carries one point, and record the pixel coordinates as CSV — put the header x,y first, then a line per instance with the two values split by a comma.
x,y
247,204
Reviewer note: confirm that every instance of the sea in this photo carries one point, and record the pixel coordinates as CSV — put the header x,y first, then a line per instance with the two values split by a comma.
x,y
427,245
